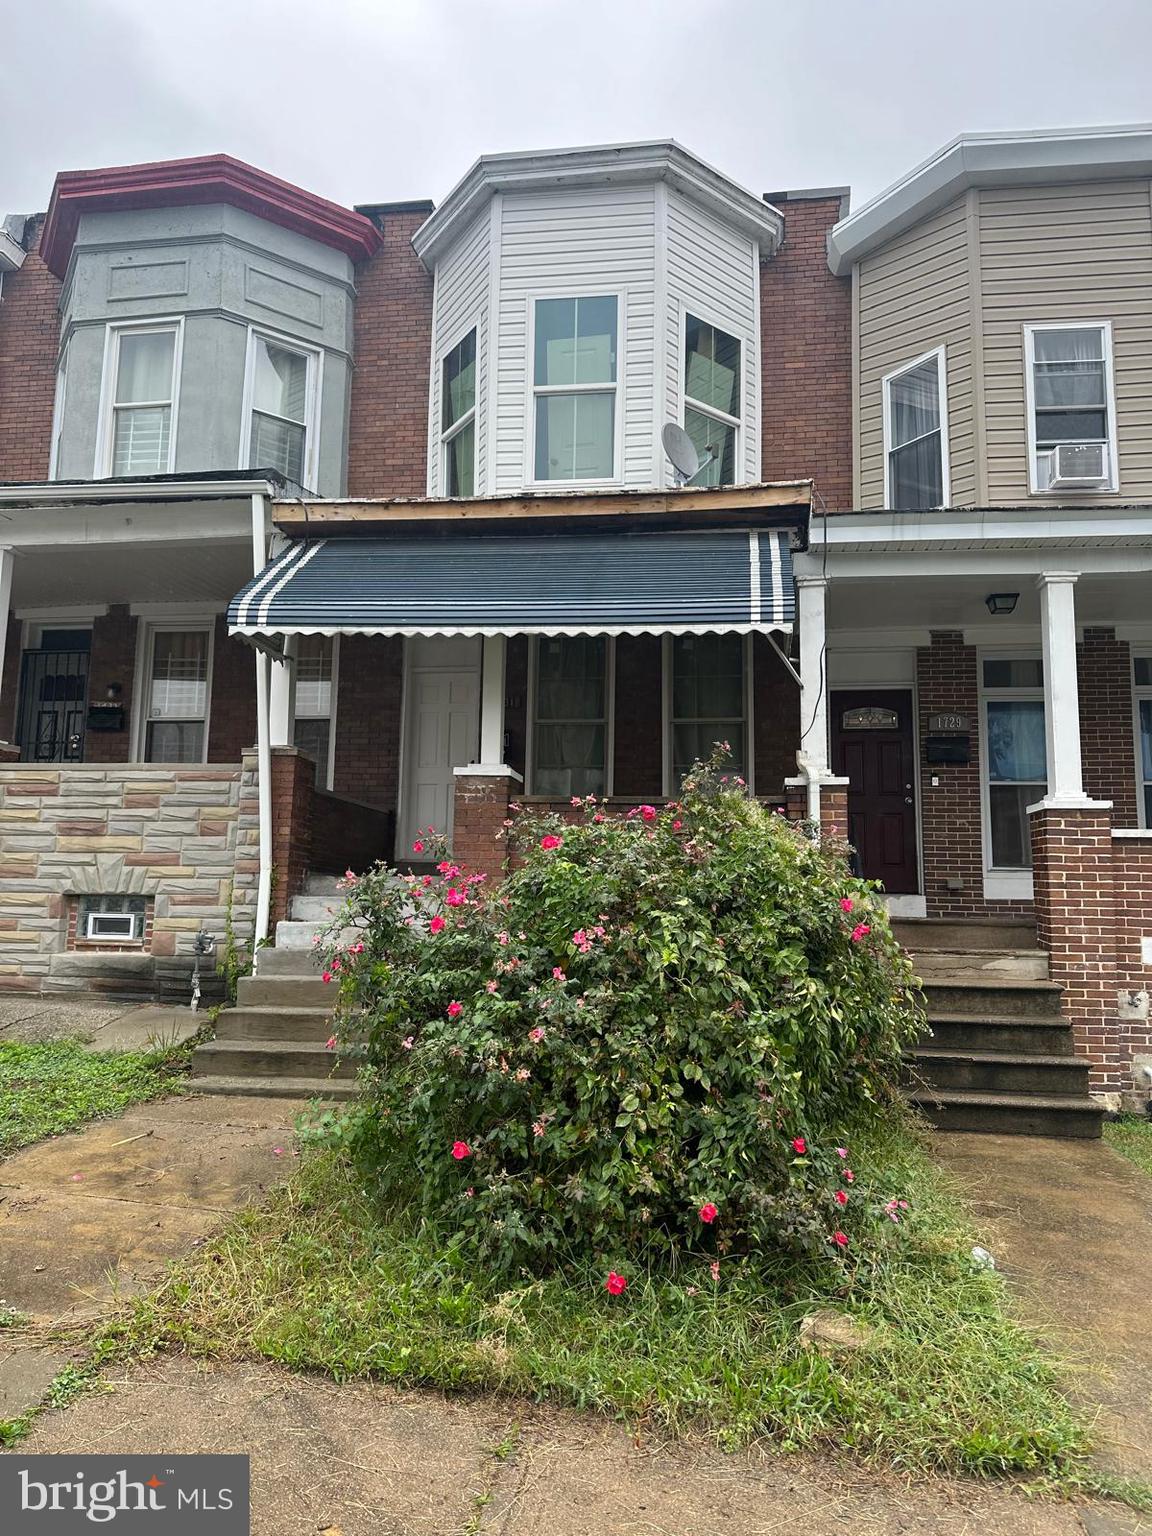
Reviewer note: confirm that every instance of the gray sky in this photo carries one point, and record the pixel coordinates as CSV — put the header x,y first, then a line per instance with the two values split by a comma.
x,y
375,100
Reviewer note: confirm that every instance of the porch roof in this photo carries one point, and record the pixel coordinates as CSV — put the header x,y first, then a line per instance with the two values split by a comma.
x,y
684,581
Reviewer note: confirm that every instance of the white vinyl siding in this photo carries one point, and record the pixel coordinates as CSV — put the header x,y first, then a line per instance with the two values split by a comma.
x,y
713,274
565,244
461,305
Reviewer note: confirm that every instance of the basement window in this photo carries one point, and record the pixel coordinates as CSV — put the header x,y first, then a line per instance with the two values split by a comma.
x,y
110,919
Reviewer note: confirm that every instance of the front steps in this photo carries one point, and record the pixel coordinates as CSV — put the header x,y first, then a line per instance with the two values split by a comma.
x,y
272,1043
999,1056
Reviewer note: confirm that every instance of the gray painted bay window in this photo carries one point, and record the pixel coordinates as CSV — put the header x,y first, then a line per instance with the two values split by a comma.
x,y
281,391
712,392
574,382
138,429
570,731
458,417
709,702
915,435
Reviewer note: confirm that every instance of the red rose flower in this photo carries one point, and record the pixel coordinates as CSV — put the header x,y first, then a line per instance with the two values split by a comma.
x,y
550,841
455,1010
418,846
461,1150
615,1284
708,1213
799,1146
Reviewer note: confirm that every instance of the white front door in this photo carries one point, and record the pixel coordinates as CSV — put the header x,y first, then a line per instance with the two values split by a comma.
x,y
441,732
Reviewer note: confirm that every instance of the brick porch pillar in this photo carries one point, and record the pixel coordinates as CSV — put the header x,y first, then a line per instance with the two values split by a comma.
x,y
482,798
293,784
833,802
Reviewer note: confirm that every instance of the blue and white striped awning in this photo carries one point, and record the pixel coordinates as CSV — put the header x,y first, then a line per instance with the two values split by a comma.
x,y
680,582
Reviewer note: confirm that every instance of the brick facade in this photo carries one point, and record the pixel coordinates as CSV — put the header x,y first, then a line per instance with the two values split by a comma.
x,y
29,339
392,345
369,688
232,723
481,809
1107,744
112,663
806,354
293,778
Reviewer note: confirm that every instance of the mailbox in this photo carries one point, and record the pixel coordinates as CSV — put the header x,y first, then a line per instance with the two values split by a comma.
x,y
947,749
105,717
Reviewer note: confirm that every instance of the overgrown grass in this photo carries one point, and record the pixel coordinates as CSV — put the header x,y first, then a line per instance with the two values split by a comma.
x,y
1132,1138
320,1280
57,1085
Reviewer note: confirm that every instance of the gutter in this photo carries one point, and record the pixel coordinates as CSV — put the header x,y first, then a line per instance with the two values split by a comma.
x,y
96,492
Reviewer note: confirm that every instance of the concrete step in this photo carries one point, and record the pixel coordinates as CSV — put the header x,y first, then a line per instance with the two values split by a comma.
x,y
331,1089
268,1058
268,991
1016,1034
324,885
1020,964
1009,1114
319,910
921,933
303,963
997,1072
274,1024
296,935
950,992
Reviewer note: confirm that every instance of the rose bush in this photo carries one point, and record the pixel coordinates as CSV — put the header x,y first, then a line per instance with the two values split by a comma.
x,y
648,1038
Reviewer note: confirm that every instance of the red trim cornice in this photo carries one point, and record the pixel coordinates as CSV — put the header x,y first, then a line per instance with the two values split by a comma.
x,y
204,179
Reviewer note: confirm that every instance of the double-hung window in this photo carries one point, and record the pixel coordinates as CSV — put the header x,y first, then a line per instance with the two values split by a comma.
x,y
177,695
1070,410
1017,758
315,666
142,368
712,391
281,390
574,388
915,435
570,717
458,418
709,701
1142,672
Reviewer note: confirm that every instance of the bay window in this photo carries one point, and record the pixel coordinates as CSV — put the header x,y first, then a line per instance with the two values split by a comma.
x,y
458,418
570,716
712,392
176,695
915,435
709,702
1070,411
280,390
141,371
1016,755
574,388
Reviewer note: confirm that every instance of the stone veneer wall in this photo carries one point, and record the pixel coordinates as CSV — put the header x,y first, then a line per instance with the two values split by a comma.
x,y
185,835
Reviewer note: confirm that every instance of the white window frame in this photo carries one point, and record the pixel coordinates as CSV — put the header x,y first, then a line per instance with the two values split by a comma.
x,y
689,402
609,720
1140,692
940,354
106,422
334,692
1030,330
447,435
59,403
313,388
532,390
671,788
147,632
1001,882
131,937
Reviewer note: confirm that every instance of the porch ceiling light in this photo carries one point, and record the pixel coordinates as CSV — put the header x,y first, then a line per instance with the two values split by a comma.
x,y
1002,602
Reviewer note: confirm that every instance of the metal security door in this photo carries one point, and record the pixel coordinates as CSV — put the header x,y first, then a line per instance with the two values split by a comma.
x,y
53,705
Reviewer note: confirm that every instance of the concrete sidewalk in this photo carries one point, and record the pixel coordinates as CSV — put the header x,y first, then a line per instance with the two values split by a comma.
x,y
101,1025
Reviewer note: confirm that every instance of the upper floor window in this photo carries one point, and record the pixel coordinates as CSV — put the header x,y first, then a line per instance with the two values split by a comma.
x,y
570,716
1070,407
915,435
458,418
574,384
280,391
712,390
142,364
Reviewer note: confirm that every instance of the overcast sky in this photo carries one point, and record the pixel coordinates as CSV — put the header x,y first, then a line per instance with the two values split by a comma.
x,y
376,100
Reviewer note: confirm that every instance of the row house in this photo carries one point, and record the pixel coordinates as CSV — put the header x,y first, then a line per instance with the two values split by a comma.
x,y
322,526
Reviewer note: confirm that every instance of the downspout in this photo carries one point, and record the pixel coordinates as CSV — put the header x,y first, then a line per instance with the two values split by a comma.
x,y
263,749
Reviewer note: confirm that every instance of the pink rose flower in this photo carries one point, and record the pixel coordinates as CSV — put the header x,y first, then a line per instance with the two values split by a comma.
x,y
708,1213
537,1034
418,846
461,1150
841,1151
714,1269
492,986
455,1009
330,1043
861,931
408,1042
327,976
648,812
550,841
436,924
840,1239
841,1197
846,903
558,973
615,1284
456,898
799,1146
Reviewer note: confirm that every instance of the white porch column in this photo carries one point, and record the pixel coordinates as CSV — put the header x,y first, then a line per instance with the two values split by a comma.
x,y
1061,688
492,701
282,696
812,756
7,558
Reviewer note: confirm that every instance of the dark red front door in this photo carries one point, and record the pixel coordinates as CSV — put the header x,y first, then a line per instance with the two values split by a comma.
x,y
872,747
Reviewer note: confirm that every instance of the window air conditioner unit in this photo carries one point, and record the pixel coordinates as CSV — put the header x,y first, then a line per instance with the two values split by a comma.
x,y
1079,464
111,925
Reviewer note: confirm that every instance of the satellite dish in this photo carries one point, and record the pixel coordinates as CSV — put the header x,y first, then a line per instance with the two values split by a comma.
x,y
681,450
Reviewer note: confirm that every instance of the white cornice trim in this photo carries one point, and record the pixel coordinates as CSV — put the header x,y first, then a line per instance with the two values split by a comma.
x,y
989,160
65,493
598,165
